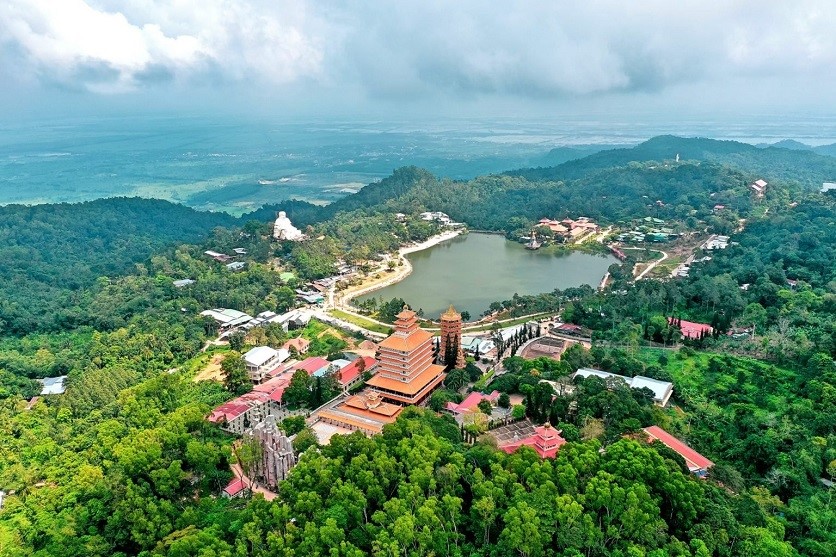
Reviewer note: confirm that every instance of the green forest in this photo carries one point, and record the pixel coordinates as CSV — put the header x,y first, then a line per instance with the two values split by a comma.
x,y
124,462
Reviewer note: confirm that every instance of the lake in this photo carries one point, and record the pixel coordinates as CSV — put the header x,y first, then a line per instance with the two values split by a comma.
x,y
474,270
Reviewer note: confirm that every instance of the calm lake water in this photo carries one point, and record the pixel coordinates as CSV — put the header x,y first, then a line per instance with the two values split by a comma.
x,y
474,270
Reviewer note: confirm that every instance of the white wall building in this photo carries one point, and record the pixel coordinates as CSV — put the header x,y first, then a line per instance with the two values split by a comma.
x,y
662,390
262,359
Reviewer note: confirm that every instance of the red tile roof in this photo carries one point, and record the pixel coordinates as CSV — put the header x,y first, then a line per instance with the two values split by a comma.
x,y
234,487
693,459
300,344
406,343
546,441
311,365
692,330
367,345
350,372
237,406
471,402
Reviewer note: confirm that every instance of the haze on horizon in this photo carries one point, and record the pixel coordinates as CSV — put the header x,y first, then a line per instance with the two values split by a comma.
x,y
416,59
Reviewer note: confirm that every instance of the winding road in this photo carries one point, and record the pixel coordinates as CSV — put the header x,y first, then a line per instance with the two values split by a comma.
x,y
652,265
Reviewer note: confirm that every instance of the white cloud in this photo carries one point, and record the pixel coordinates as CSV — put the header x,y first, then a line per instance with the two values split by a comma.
x,y
114,46
419,49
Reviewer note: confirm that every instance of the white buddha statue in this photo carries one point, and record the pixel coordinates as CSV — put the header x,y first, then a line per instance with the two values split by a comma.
x,y
284,229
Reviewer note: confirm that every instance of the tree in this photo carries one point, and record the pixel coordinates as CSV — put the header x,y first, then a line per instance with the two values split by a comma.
x,y
456,379
592,429
249,453
485,407
465,316
236,340
504,401
518,412
304,440
234,370
298,392
293,425
439,399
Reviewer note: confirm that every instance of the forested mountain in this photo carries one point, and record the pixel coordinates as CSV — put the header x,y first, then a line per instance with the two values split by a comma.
x,y
609,186
805,167
50,252
829,150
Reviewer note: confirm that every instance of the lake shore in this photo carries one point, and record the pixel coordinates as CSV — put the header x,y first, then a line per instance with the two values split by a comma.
x,y
476,270
401,271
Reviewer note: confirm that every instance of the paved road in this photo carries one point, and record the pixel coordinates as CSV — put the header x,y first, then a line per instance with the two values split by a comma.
x,y
652,265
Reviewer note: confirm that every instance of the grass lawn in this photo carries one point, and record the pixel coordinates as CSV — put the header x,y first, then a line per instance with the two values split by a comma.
x,y
360,321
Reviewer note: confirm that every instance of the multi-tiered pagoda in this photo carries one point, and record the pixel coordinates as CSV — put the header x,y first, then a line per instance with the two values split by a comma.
x,y
406,373
451,339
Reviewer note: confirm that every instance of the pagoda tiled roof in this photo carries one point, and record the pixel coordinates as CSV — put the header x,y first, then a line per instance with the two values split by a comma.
x,y
406,343
412,387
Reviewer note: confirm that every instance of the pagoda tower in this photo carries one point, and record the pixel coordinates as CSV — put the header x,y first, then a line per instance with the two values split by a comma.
x,y
406,373
451,339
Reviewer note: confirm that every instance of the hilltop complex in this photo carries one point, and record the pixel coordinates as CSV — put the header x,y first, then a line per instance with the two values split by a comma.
x,y
405,375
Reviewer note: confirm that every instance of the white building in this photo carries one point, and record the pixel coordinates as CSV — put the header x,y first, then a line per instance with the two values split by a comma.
x,y
283,229
53,385
662,390
227,318
262,359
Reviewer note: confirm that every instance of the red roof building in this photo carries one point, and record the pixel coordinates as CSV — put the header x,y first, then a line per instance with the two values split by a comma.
x,y
406,373
569,328
471,403
690,329
546,441
236,414
351,374
235,488
696,462
300,344
274,388
311,365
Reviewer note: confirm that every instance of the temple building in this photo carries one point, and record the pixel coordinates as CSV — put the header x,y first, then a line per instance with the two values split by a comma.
x,y
405,371
365,412
451,339
545,441
404,374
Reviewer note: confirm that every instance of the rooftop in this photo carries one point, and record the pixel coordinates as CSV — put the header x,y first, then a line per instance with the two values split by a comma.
x,y
472,401
311,365
53,385
350,372
662,390
410,388
694,460
234,487
260,355
691,329
546,441
405,342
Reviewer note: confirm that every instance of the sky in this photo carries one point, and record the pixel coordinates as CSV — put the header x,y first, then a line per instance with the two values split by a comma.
x,y
417,58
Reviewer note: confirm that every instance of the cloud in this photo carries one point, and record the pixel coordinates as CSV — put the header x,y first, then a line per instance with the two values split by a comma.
x,y
121,46
418,50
